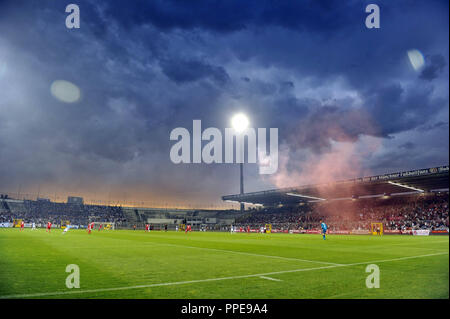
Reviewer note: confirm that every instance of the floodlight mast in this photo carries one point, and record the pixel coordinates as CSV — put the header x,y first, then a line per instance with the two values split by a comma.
x,y
241,166
240,124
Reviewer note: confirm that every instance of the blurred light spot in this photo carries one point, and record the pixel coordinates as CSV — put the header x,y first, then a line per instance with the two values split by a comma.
x,y
416,59
65,91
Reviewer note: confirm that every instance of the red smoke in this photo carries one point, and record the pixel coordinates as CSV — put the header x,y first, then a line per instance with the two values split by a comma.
x,y
344,158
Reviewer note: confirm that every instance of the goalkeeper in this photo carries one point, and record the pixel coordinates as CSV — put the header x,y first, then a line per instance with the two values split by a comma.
x,y
324,229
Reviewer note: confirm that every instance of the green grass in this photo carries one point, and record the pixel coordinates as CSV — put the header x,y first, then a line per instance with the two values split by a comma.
x,y
33,263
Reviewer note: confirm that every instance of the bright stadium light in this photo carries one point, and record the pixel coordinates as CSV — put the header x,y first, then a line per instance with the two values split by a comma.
x,y
300,195
405,186
254,204
239,122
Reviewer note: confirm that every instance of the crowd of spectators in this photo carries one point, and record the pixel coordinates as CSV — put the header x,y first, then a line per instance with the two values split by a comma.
x,y
396,213
41,212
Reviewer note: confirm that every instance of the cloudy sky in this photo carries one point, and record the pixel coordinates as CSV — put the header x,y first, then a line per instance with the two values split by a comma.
x,y
348,101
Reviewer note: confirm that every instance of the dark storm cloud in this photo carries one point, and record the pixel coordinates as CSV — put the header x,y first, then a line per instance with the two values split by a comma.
x,y
386,110
234,15
309,68
408,145
330,123
432,126
191,70
434,67
396,108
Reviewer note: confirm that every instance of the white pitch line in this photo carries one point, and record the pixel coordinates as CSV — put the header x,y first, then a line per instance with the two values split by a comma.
x,y
229,251
59,293
437,250
270,278
253,254
414,247
397,259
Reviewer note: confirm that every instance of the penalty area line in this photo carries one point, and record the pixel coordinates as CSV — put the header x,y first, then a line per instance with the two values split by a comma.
x,y
154,244
270,278
252,254
71,292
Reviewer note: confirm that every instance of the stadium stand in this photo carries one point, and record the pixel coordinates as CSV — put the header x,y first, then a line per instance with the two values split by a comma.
x,y
416,199
40,212
396,213
400,183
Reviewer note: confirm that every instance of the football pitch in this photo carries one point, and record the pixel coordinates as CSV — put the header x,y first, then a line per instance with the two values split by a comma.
x,y
135,264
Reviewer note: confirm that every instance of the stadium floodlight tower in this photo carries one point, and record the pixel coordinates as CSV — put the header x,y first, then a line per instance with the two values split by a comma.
x,y
240,124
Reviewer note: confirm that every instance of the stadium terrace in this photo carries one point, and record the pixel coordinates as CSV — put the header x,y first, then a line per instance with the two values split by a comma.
x,y
393,184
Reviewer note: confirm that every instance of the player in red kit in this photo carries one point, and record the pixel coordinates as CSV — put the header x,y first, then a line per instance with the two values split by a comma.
x,y
22,225
147,227
49,226
248,229
89,228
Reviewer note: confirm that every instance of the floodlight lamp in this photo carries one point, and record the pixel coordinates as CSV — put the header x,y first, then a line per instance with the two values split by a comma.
x,y
240,122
